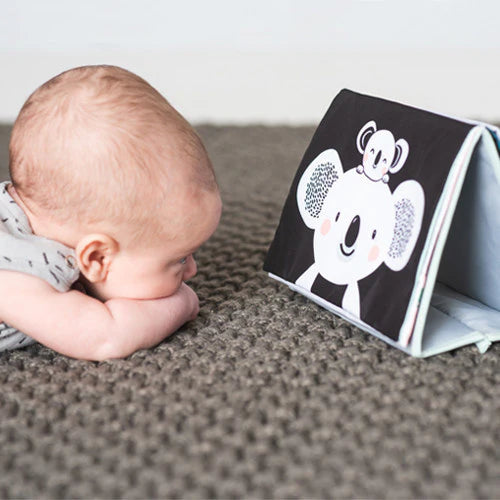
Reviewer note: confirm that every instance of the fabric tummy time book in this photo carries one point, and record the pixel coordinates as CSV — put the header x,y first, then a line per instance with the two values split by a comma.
x,y
393,223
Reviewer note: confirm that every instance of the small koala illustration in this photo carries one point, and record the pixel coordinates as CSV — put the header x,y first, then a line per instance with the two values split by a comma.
x,y
358,224
381,152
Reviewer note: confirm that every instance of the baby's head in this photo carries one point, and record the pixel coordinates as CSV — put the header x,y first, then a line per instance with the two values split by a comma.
x,y
101,162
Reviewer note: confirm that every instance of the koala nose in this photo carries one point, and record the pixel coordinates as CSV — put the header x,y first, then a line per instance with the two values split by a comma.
x,y
352,233
377,158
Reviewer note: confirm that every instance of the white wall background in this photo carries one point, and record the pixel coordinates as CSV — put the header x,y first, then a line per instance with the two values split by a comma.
x,y
267,61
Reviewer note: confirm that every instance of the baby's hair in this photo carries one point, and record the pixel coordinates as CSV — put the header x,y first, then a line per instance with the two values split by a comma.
x,y
98,143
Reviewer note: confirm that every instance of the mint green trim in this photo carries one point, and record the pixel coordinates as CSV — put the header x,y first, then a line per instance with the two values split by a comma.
x,y
435,242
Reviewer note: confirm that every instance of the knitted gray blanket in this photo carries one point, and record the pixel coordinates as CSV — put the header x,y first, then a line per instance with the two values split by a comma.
x,y
264,395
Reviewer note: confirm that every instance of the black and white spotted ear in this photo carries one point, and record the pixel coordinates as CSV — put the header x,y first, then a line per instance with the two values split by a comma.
x,y
409,203
315,183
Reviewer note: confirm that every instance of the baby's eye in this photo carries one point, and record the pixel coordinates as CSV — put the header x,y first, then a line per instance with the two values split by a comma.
x,y
183,260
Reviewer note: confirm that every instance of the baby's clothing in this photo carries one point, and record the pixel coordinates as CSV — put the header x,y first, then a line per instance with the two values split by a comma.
x,y
23,251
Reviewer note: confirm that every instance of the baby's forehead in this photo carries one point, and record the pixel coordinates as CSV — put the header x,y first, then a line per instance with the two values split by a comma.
x,y
194,206
191,201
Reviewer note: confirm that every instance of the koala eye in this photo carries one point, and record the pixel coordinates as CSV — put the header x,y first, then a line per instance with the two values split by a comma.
x,y
372,150
384,161
337,218
374,234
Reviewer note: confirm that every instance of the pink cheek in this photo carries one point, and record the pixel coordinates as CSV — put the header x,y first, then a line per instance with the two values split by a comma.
x,y
325,227
373,254
365,158
384,171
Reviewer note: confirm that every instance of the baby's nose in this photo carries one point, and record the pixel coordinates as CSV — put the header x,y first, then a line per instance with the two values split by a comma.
x,y
190,269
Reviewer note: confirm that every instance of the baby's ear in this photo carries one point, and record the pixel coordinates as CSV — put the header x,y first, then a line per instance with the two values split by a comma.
x,y
94,253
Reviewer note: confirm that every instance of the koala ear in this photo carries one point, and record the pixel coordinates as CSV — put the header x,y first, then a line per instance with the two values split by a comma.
x,y
364,135
400,155
408,199
315,183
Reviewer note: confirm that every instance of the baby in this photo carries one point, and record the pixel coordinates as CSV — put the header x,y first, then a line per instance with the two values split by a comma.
x,y
111,190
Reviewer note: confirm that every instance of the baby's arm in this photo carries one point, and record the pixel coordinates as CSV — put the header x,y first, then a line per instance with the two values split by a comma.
x,y
80,326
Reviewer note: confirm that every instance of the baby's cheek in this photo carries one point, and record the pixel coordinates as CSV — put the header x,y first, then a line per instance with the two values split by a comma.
x,y
373,253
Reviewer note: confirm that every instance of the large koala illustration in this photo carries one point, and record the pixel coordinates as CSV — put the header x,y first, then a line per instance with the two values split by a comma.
x,y
358,224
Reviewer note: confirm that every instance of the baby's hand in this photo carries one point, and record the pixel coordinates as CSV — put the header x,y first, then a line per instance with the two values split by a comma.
x,y
80,326
189,297
152,319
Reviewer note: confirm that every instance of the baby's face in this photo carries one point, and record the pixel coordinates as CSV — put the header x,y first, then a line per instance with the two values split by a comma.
x,y
158,269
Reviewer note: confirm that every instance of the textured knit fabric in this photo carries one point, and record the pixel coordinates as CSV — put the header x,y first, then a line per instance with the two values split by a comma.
x,y
23,251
